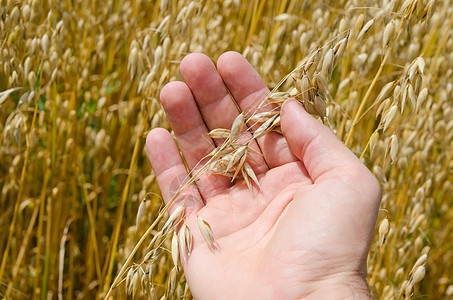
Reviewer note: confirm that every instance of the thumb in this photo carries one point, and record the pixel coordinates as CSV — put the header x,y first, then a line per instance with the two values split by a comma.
x,y
322,153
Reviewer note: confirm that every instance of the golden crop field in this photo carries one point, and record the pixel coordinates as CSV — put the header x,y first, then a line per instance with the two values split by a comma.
x,y
79,91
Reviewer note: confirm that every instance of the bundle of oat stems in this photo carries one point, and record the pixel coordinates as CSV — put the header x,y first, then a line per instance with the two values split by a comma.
x,y
80,212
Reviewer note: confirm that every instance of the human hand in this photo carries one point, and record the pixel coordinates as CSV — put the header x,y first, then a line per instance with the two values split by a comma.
x,y
307,231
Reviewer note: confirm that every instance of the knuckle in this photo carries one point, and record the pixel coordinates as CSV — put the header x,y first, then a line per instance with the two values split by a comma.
x,y
362,176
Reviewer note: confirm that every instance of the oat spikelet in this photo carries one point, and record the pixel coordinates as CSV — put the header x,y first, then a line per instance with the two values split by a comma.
x,y
419,274
373,142
421,98
182,243
385,91
172,283
219,133
185,241
365,29
236,156
388,35
278,98
129,276
390,116
140,213
328,63
134,284
264,128
155,241
383,230
393,147
4,95
339,50
175,250
188,240
251,174
174,218
263,116
420,261
237,126
207,234
412,96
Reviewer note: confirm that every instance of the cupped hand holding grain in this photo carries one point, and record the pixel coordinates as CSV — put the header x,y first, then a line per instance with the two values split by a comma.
x,y
307,231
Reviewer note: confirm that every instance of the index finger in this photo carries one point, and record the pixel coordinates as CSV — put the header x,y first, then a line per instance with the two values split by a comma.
x,y
249,90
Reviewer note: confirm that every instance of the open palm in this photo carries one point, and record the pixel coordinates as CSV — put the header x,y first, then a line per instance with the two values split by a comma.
x,y
305,233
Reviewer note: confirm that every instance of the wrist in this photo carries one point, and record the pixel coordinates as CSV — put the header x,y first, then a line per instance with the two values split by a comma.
x,y
351,287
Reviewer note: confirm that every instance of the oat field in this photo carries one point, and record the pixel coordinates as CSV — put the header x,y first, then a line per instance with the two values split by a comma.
x,y
79,91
